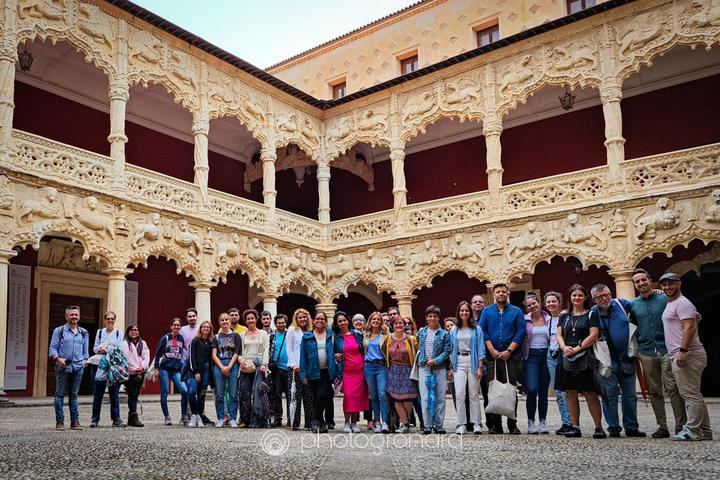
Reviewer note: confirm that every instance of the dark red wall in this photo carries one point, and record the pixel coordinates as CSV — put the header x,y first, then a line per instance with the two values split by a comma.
x,y
349,195
160,153
446,292
227,175
673,118
559,275
660,262
29,257
234,293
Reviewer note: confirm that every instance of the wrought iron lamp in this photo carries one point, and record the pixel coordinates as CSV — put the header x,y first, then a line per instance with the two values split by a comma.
x,y
568,100
25,59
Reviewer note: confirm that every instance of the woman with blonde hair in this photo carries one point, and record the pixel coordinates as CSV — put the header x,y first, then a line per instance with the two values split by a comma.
x,y
199,367
375,334
298,326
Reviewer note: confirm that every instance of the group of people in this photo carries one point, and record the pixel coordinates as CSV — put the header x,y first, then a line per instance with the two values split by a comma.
x,y
391,373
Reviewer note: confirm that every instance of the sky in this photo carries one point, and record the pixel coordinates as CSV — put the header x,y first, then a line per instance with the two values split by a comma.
x,y
266,32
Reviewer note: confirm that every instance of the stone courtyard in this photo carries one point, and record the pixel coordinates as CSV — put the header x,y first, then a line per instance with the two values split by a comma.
x,y
31,448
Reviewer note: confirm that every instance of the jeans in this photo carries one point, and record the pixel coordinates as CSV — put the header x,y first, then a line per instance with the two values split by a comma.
x,y
467,385
376,378
229,383
440,391
659,377
623,384
62,378
165,378
559,394
197,390
537,381
99,393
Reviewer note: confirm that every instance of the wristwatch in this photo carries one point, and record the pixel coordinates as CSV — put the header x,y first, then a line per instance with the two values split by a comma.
x,y
684,350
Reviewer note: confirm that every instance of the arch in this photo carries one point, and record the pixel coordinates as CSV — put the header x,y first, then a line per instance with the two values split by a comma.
x,y
184,263
304,278
527,265
256,275
33,235
340,286
372,126
696,263
425,277
416,129
665,246
512,101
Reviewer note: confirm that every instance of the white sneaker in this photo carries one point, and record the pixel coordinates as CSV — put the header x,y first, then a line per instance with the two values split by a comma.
x,y
200,423
532,429
477,429
543,427
686,434
461,430
233,424
193,421
346,428
384,427
354,428
220,423
378,427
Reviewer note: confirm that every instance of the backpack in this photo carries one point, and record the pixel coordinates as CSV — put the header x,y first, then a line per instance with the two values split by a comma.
x,y
117,365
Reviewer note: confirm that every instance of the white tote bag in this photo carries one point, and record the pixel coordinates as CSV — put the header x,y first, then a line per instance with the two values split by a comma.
x,y
502,397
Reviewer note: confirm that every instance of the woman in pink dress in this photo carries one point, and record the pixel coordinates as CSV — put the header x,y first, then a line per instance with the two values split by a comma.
x,y
349,356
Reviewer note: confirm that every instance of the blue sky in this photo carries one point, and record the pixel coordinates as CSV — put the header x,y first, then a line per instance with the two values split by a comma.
x,y
266,32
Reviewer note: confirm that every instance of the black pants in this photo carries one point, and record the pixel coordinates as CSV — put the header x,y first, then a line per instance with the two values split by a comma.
x,y
321,391
304,402
278,387
245,394
514,371
330,408
132,388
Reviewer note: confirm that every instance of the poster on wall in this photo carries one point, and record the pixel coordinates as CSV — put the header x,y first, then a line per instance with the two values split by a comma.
x,y
16,360
131,302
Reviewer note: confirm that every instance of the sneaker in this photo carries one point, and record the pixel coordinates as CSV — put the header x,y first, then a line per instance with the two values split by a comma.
x,y
477,429
573,432
661,433
563,430
635,433
378,427
220,423
168,421
118,423
206,420
543,427
354,428
614,432
513,430
599,433
346,428
686,435
495,430
331,426
93,424
193,422
384,427
532,428
427,431
707,436
461,430
323,427
59,426
371,425
75,426
185,420
200,423
440,430
402,429
233,424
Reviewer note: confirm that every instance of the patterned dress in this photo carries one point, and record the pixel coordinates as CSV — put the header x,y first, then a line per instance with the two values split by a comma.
x,y
399,385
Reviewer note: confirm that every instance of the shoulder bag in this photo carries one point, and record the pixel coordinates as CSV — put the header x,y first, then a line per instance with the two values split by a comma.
x,y
502,397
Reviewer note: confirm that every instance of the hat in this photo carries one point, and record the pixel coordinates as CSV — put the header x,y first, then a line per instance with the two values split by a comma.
x,y
358,316
670,277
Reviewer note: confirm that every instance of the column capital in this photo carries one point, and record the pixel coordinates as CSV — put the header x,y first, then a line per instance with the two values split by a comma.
x,y
265,296
610,91
492,126
328,308
323,171
118,272
404,298
118,89
397,152
268,153
203,285
200,126
6,255
621,273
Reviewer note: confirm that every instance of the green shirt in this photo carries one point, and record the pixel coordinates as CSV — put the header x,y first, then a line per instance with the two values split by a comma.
x,y
650,333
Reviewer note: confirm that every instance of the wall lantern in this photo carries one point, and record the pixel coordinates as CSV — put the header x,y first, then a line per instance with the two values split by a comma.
x,y
25,59
568,100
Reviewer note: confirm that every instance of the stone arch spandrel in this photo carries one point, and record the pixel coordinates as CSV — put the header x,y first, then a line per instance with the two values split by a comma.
x,y
92,248
427,275
369,125
695,264
340,286
183,261
665,246
256,275
313,286
527,265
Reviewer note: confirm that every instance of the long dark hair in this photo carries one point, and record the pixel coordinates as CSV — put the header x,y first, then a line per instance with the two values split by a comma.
x,y
470,321
129,340
338,314
577,286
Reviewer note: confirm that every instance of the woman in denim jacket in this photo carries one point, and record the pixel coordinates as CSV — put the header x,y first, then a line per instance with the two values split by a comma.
x,y
318,369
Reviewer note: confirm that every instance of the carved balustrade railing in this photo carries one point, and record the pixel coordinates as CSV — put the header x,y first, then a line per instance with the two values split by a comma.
x,y
161,190
460,210
365,228
231,210
299,229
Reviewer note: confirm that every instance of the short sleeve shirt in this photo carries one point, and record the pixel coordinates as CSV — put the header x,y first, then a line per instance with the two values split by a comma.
x,y
227,345
675,312
576,328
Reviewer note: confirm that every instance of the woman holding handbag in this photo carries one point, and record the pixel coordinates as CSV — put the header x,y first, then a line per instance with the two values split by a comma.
x,y
255,345
399,350
576,334
350,371
168,363
138,357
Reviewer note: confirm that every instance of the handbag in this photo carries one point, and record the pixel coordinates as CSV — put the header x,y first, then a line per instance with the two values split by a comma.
x,y
577,363
247,366
415,370
502,397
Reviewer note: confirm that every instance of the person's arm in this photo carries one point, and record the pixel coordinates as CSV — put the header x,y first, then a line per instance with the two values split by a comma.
x,y
214,356
303,363
690,327
480,345
145,356
265,350
96,345
54,349
520,332
194,358
238,351
445,352
86,347
160,352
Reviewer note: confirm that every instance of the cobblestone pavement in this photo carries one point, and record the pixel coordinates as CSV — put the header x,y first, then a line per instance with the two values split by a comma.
x,y
31,448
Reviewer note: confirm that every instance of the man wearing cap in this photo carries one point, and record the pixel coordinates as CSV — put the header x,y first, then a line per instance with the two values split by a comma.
x,y
647,310
680,322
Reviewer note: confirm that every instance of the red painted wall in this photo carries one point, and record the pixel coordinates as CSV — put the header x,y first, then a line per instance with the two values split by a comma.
x,y
349,195
446,292
227,175
29,257
233,293
559,275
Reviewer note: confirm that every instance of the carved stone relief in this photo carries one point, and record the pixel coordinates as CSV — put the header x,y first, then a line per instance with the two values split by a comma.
x,y
664,218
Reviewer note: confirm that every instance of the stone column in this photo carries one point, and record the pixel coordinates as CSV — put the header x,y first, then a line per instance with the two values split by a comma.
x,y
116,293
8,57
270,301
119,93
404,303
624,287
5,256
202,299
611,94
323,179
200,131
397,159
268,156
492,128
329,309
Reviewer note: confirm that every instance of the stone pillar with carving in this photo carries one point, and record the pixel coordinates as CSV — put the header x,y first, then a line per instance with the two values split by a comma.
x,y
397,159
611,94
8,57
268,157
270,303
492,129
624,287
116,293
202,299
200,131
119,93
323,179
5,256
329,309
404,303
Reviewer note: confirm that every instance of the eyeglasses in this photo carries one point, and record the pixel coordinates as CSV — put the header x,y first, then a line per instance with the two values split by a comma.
x,y
602,296
134,330
110,319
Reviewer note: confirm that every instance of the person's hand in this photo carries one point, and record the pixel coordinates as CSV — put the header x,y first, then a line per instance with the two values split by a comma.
x,y
430,362
263,368
225,371
304,381
568,351
504,355
451,376
60,362
495,354
338,357
296,369
479,372
102,350
197,377
681,359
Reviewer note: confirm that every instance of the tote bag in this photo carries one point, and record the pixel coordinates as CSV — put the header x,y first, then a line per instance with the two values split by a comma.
x,y
502,397
601,349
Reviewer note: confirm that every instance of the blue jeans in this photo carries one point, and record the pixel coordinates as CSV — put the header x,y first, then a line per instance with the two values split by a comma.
x,y
537,381
440,392
376,378
99,393
165,378
230,384
609,388
559,394
62,378
197,390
